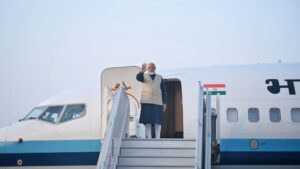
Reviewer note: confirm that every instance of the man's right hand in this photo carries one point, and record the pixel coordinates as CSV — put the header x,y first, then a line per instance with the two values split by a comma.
x,y
164,107
144,67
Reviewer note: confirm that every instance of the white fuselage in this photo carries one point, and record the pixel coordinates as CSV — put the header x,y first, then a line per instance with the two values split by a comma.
x,y
55,145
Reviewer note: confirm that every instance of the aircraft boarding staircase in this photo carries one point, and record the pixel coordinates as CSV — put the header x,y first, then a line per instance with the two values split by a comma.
x,y
157,154
117,152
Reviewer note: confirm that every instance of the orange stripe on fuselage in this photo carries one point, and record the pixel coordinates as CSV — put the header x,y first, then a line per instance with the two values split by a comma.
x,y
214,85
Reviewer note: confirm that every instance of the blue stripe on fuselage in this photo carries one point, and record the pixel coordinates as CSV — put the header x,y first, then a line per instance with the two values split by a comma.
x,y
50,152
86,152
50,159
260,158
268,152
268,145
51,146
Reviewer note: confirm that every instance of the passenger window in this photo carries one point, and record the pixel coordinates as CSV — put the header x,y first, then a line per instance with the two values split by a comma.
x,y
253,114
295,112
275,115
232,115
51,114
73,112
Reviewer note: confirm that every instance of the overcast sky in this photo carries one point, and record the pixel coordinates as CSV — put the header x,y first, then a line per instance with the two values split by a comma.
x,y
48,46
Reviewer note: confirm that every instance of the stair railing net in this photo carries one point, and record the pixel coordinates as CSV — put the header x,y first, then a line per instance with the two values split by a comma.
x,y
117,128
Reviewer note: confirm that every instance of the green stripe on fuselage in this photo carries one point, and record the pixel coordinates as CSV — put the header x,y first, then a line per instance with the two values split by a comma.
x,y
215,92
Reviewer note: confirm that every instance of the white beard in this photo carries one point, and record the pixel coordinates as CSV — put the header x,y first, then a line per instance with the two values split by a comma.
x,y
151,73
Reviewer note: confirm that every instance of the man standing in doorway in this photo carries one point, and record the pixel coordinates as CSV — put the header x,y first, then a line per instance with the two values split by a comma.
x,y
153,99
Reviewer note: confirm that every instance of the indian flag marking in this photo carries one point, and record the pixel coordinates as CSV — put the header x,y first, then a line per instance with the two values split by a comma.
x,y
215,88
215,92
214,85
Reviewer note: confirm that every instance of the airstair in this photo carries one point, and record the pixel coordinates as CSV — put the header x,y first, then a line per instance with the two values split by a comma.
x,y
157,154
119,152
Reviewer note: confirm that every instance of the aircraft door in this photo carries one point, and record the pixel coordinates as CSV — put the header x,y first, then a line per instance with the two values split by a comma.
x,y
215,130
215,146
110,77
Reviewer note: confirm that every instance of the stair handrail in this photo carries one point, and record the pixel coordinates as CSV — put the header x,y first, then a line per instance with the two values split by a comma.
x,y
199,141
207,151
203,135
116,130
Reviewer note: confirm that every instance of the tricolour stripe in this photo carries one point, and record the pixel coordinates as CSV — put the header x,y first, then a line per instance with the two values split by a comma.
x,y
215,92
214,85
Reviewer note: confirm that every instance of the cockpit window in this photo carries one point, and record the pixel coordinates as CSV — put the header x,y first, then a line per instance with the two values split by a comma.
x,y
35,113
73,112
51,114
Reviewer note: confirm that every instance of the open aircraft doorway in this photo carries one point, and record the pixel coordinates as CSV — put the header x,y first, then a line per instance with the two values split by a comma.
x,y
172,126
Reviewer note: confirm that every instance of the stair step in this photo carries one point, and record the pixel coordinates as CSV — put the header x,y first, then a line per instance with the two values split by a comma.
x,y
157,154
158,167
161,143
156,161
161,152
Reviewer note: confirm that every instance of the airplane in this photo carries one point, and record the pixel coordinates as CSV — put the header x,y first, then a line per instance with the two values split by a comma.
x,y
258,125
